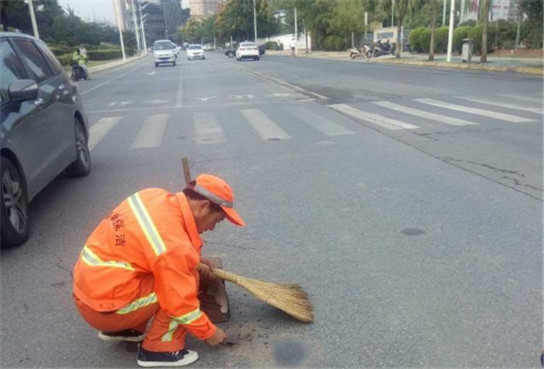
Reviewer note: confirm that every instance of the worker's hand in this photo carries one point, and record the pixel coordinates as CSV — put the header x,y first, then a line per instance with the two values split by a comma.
x,y
218,337
207,274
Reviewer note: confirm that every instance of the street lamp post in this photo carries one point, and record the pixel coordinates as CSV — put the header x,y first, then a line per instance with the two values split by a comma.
x,y
119,29
136,33
142,22
33,19
142,19
255,25
450,31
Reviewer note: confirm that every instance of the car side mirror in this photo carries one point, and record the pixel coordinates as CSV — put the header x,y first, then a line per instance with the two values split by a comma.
x,y
23,89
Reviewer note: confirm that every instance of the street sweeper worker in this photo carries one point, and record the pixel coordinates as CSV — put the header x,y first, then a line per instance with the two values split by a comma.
x,y
139,264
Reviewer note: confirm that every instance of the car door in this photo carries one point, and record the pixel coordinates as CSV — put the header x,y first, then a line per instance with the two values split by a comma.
x,y
20,120
48,134
65,98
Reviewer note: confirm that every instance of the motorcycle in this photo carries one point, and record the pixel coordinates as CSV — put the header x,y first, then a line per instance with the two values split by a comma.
x,y
365,52
380,49
78,72
230,53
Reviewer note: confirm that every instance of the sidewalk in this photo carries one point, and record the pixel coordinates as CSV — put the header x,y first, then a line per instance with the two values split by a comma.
x,y
496,64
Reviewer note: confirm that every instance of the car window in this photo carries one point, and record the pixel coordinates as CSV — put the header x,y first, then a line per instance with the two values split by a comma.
x,y
162,46
11,68
195,47
50,57
34,60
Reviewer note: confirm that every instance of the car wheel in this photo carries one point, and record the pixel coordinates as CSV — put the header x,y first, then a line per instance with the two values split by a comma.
x,y
174,63
82,165
13,206
156,64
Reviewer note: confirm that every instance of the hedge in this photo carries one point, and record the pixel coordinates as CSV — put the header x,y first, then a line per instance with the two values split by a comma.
x,y
334,43
458,38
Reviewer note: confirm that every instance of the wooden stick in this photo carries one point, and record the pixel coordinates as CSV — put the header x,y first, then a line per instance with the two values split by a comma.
x,y
187,175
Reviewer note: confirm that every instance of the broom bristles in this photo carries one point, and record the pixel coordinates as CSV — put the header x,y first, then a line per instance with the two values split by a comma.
x,y
288,297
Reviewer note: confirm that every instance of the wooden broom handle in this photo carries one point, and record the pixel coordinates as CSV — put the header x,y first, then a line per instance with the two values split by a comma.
x,y
220,273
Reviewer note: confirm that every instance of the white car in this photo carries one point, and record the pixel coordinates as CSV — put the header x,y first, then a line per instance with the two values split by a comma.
x,y
195,51
247,50
164,52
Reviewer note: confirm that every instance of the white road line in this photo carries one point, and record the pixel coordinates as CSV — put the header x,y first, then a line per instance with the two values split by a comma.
x,y
151,133
207,129
267,129
101,129
379,120
320,123
503,105
423,114
522,98
113,79
467,109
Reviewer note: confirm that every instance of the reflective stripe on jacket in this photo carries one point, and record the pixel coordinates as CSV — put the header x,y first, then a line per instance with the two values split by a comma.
x,y
152,234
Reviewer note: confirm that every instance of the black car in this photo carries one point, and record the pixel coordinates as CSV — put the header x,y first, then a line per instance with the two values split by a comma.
x,y
43,129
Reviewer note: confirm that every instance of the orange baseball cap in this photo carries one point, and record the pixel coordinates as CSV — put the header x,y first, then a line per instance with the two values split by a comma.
x,y
219,192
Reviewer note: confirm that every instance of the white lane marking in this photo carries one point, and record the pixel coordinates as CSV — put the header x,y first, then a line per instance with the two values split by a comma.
x,y
522,98
288,85
113,79
151,73
151,132
207,129
320,123
423,114
384,122
467,109
101,129
503,105
180,94
265,127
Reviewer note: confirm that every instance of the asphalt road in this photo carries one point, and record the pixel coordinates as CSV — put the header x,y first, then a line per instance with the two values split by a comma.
x,y
418,232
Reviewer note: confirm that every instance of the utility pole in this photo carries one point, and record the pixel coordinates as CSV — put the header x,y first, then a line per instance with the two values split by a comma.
x,y
444,12
136,33
119,29
142,27
393,6
296,32
33,19
255,25
462,11
519,18
450,31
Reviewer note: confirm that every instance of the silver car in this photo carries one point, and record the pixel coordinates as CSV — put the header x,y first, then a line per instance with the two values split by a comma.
x,y
43,129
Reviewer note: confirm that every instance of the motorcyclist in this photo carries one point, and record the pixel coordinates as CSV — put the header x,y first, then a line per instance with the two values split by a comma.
x,y
80,59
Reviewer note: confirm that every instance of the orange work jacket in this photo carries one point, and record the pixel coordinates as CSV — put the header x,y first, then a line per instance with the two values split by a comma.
x,y
152,234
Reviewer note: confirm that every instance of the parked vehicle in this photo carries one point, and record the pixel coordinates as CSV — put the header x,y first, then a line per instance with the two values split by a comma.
x,y
43,129
364,52
78,72
379,48
247,50
195,51
164,51
230,53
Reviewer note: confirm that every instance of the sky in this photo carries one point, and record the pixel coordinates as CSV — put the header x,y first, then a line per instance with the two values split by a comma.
x,y
91,9
96,9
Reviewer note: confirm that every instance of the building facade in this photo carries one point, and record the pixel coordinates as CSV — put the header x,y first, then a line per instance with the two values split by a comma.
x,y
204,8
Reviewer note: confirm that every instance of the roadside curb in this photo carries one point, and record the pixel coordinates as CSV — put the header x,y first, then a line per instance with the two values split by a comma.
x,y
512,69
115,64
343,56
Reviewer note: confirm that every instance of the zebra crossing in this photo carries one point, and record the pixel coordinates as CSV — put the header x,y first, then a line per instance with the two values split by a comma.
x,y
335,120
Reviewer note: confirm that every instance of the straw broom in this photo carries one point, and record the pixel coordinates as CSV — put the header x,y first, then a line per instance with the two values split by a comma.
x,y
288,297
